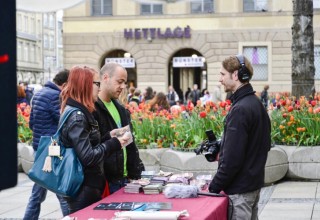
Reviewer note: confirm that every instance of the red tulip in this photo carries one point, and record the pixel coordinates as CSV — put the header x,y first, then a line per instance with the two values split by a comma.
x,y
222,104
203,114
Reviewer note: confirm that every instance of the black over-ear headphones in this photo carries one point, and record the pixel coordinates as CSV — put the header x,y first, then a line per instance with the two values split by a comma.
x,y
243,73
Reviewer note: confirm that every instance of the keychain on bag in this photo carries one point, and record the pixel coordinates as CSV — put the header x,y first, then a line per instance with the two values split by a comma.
x,y
53,151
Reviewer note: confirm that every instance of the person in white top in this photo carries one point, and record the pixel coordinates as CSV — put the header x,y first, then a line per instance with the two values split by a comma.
x,y
172,96
206,97
216,97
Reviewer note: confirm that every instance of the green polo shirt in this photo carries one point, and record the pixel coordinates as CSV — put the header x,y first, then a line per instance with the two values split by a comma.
x,y
116,117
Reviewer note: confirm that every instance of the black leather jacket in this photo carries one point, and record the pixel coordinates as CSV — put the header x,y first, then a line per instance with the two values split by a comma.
x,y
113,165
81,132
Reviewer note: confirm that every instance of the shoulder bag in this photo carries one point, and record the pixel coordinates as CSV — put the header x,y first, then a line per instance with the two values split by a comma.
x,y
56,167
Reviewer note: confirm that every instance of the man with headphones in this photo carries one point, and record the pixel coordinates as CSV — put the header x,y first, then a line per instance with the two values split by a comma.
x,y
245,142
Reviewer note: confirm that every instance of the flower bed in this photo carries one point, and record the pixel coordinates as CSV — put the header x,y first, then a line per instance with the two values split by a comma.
x,y
23,116
294,122
184,127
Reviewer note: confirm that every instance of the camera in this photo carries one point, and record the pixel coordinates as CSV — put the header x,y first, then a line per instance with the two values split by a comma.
x,y
211,146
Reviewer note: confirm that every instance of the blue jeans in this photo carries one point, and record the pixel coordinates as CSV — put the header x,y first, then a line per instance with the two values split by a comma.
x,y
115,186
38,195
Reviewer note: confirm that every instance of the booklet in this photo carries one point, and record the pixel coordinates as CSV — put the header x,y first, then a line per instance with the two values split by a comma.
x,y
125,131
137,206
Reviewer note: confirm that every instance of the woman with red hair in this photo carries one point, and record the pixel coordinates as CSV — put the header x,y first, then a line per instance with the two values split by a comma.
x,y
81,132
21,95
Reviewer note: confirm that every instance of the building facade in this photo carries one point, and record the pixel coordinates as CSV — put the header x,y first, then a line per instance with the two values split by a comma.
x,y
29,46
39,46
182,43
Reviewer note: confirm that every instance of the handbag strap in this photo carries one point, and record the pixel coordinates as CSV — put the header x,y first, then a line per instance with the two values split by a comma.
x,y
63,118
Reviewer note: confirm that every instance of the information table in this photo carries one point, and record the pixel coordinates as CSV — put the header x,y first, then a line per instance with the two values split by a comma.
x,y
200,208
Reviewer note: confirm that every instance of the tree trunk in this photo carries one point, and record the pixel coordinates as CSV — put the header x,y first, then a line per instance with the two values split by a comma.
x,y
303,69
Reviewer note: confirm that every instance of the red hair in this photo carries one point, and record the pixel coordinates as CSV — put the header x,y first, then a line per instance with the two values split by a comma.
x,y
20,92
79,87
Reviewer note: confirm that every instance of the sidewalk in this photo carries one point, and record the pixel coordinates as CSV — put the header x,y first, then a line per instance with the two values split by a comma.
x,y
13,201
288,200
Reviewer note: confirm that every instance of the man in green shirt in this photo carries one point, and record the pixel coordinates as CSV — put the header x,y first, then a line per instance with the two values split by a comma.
x,y
123,165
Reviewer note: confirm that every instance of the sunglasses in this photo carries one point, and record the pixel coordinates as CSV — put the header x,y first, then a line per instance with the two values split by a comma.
x,y
97,83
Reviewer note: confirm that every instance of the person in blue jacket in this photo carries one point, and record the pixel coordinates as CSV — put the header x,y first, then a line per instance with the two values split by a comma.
x,y
44,119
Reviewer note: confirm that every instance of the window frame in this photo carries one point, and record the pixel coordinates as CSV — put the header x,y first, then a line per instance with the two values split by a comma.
x,y
202,7
152,5
46,41
102,5
317,4
255,9
269,52
45,20
26,52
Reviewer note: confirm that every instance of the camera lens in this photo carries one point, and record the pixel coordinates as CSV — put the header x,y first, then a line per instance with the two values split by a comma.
x,y
210,157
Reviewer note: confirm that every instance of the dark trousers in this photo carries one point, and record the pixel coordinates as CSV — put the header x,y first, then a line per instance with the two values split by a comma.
x,y
87,196
115,186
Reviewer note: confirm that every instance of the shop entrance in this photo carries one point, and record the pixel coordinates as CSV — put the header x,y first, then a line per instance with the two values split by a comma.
x,y
186,68
125,59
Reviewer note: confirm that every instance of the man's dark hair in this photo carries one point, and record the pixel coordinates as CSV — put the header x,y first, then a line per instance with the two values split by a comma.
x,y
61,77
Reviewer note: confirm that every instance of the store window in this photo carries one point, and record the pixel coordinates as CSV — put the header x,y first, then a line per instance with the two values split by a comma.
x,y
149,9
101,7
258,57
202,6
317,61
255,5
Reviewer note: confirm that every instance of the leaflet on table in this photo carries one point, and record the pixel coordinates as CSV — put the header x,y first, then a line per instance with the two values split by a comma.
x,y
138,206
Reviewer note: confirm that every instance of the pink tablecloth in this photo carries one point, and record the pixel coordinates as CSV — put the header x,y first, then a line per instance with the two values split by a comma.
x,y
201,208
